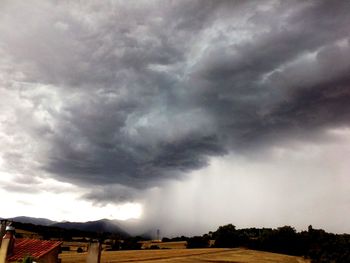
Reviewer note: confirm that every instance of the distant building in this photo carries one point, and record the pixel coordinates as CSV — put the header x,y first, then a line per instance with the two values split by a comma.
x,y
41,251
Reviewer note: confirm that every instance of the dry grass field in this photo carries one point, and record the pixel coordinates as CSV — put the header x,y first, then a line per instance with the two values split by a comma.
x,y
188,256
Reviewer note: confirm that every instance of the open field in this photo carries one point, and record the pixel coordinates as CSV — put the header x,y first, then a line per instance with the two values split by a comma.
x,y
188,256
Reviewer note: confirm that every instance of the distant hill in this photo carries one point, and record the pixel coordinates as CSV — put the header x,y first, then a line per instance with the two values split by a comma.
x,y
103,225
99,226
33,220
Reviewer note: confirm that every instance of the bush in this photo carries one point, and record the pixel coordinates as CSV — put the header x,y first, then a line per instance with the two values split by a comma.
x,y
198,242
154,247
27,259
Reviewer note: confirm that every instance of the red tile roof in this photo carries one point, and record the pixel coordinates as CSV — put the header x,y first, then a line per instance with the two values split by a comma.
x,y
32,247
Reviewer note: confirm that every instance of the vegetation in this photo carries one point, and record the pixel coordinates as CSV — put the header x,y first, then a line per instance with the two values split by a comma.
x,y
198,242
315,244
154,247
131,243
27,259
226,236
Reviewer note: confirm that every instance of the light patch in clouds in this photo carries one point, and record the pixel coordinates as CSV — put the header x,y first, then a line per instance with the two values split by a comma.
x,y
58,201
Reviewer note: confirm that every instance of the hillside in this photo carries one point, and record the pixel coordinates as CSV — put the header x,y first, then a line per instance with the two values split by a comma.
x,y
33,220
67,230
100,226
125,228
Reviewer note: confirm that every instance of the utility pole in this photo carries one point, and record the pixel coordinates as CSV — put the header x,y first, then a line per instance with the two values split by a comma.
x,y
158,234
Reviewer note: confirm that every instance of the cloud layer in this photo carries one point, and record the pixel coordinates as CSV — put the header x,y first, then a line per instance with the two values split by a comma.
x,y
124,96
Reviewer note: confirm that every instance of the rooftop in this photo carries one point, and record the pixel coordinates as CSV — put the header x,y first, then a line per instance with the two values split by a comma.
x,y
32,247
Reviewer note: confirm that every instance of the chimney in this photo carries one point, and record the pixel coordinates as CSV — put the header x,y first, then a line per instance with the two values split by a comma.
x,y
8,242
2,229
94,253
10,235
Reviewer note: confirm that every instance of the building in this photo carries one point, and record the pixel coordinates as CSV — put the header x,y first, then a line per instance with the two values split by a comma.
x,y
41,251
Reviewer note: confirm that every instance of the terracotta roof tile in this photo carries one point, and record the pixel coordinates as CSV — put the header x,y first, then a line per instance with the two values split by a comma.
x,y
32,247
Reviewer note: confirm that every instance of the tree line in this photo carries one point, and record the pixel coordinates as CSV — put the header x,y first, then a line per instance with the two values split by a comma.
x,y
315,244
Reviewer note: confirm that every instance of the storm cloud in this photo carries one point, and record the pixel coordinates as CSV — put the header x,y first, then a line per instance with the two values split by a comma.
x,y
124,95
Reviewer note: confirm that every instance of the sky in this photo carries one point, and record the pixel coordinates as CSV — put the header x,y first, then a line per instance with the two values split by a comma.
x,y
184,115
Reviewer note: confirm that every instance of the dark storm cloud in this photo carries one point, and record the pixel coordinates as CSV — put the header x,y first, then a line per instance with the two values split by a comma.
x,y
111,193
131,95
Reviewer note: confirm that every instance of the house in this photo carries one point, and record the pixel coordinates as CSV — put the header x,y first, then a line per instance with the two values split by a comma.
x,y
41,251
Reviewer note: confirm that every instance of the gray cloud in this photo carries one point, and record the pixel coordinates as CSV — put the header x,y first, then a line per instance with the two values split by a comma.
x,y
119,94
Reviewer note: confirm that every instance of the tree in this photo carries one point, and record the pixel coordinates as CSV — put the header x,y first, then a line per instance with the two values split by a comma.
x,y
132,243
226,236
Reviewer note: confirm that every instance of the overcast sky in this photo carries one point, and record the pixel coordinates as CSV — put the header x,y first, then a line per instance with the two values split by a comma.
x,y
184,114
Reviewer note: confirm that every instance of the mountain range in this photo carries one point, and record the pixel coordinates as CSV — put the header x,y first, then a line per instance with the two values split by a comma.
x,y
33,220
103,225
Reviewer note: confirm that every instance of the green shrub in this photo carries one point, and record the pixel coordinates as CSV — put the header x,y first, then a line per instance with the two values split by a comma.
x,y
27,259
